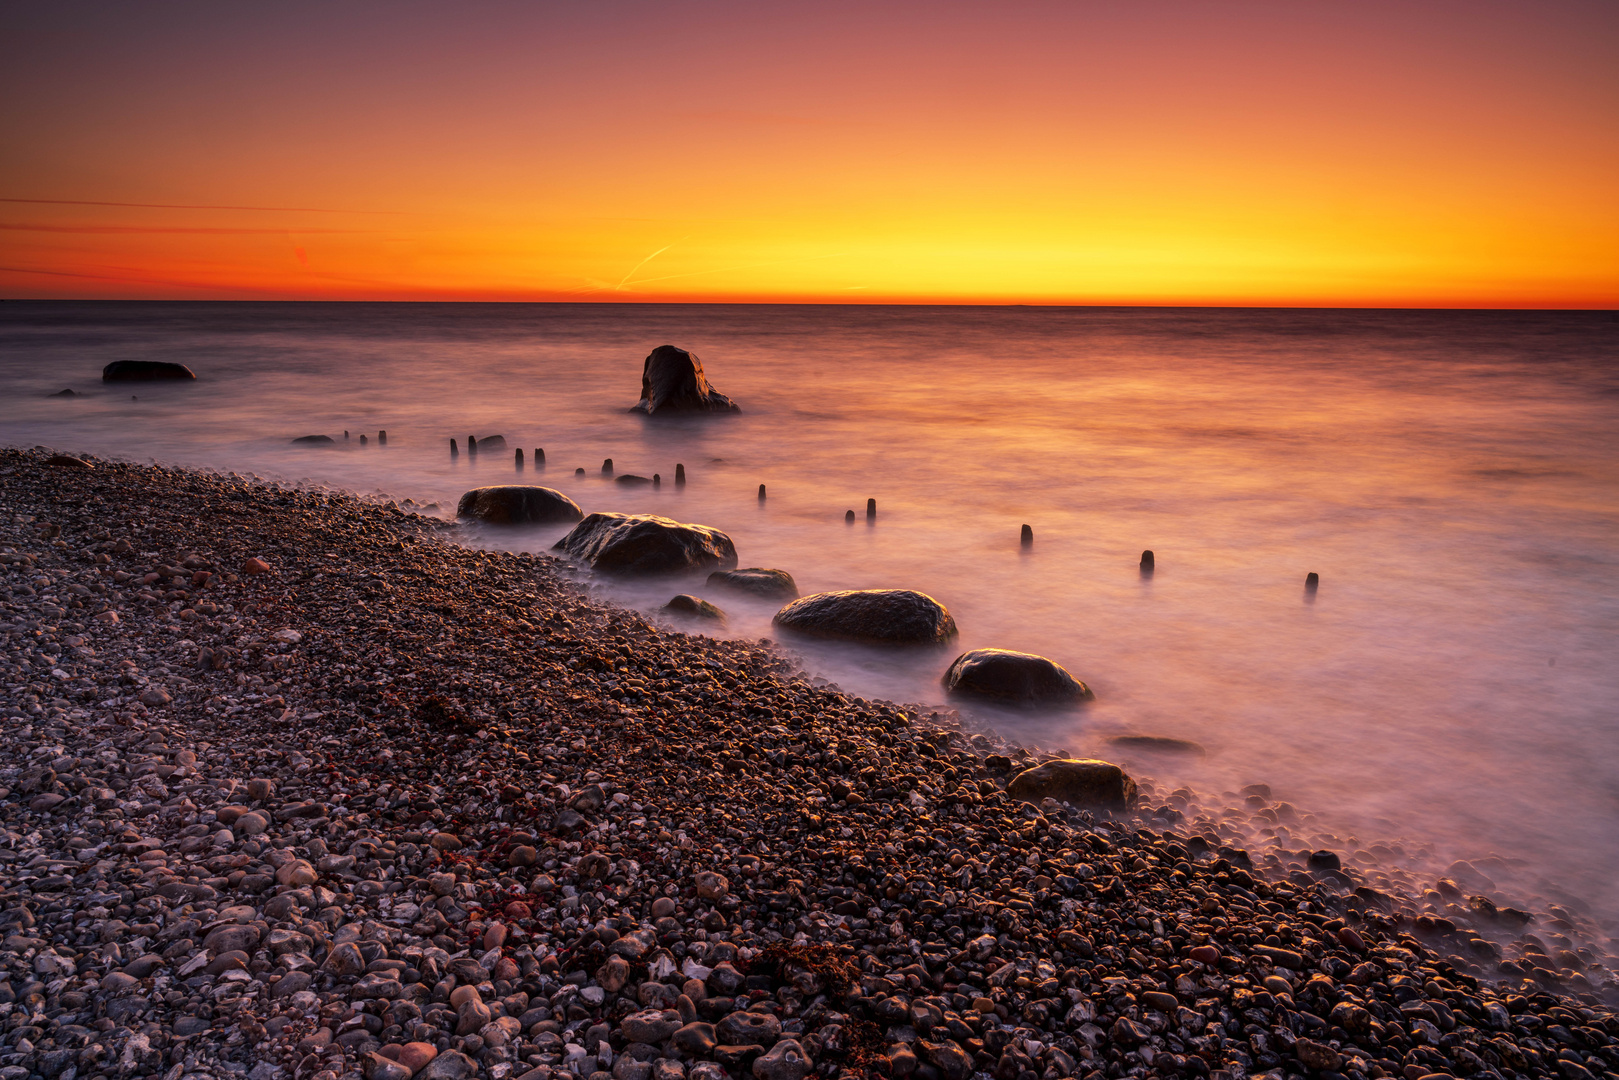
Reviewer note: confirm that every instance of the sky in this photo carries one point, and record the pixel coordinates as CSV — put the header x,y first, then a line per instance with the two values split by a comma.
x,y
1452,154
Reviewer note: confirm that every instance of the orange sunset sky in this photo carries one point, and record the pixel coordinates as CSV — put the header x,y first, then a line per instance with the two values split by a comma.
x,y
1409,154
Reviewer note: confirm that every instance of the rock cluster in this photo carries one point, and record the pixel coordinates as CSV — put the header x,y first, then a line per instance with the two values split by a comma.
x,y
392,807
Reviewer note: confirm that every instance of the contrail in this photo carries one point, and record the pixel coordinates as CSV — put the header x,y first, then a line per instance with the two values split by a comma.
x,y
646,260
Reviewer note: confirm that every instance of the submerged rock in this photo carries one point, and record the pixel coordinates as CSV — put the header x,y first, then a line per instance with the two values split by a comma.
x,y
144,371
696,607
517,504
875,616
1157,743
488,442
647,544
672,381
1078,782
65,393
1018,677
758,581
314,440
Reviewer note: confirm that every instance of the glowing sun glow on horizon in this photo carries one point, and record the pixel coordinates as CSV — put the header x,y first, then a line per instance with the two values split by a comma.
x,y
1443,154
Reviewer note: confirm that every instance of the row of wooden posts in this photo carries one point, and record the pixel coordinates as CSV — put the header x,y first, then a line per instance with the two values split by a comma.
x,y
1312,581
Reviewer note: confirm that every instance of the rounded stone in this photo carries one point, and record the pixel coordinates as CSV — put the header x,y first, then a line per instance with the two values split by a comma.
x,y
1078,782
1014,677
518,504
756,581
872,616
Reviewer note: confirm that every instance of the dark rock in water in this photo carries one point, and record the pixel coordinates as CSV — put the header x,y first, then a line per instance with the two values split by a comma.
x,y
1148,564
848,517
871,509
63,461
680,474
607,467
875,616
64,393
1325,860
1027,537
1312,581
672,381
761,493
1078,782
490,442
632,480
1023,678
687,604
516,504
579,472
144,371
770,584
1157,743
646,544
314,440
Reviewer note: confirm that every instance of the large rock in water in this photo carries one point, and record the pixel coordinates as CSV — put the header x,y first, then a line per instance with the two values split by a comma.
x,y
518,504
646,544
1078,782
144,371
876,616
758,581
672,381
1023,678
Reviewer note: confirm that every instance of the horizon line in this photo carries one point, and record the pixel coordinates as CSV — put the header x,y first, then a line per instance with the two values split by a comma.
x,y
578,302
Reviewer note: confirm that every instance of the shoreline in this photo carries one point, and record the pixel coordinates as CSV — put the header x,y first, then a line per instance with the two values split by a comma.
x,y
647,833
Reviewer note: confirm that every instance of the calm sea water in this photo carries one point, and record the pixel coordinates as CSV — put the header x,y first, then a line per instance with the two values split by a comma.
x,y
1452,476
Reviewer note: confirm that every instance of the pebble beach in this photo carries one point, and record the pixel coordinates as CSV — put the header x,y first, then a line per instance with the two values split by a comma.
x,y
298,785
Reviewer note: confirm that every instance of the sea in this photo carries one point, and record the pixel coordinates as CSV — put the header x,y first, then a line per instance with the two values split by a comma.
x,y
1451,688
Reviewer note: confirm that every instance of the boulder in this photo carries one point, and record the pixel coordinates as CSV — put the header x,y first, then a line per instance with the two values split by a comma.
x,y
694,607
145,371
1016,677
647,544
877,616
517,504
314,440
488,442
632,480
1078,782
672,381
63,461
65,393
757,581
